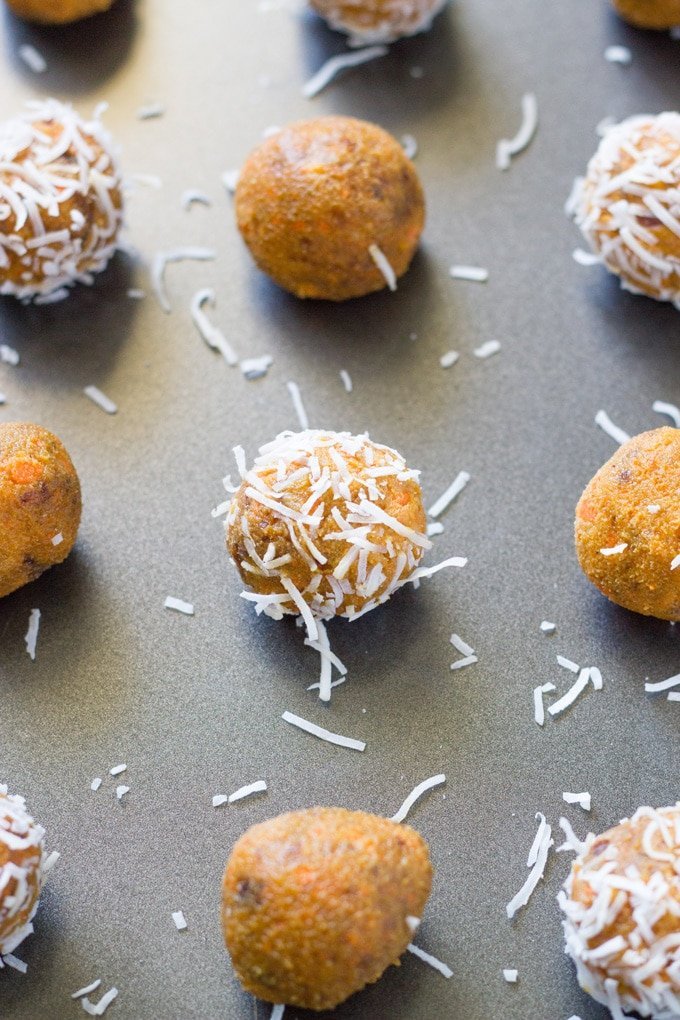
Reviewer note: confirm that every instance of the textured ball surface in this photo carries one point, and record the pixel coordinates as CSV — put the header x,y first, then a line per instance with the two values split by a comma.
x,y
22,857
659,14
39,503
57,12
315,903
315,199
378,21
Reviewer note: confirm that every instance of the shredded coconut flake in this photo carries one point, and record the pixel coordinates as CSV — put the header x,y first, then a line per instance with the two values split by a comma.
x,y
300,411
33,58
663,685
149,111
615,550
538,856
277,1012
539,708
323,734
510,975
230,180
547,627
31,638
487,349
447,497
328,71
586,258
582,799
99,1008
346,379
87,989
607,425
95,784
194,197
475,274
164,258
100,399
431,960
259,786
255,368
8,355
449,359
618,55
178,604
384,265
509,147
121,791
413,796
179,919
57,539
572,694
675,562
410,146
213,336
117,769
219,799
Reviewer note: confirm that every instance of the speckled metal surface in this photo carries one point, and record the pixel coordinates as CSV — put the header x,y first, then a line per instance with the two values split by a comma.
x,y
193,705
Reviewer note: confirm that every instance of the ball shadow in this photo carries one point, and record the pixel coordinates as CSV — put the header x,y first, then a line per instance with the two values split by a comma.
x,y
75,341
81,56
369,90
376,327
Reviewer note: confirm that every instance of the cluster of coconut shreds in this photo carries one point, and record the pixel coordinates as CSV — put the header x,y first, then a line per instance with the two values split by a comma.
x,y
633,184
38,175
362,525
380,22
636,970
18,832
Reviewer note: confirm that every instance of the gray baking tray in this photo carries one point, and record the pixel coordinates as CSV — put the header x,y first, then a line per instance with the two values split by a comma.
x,y
193,705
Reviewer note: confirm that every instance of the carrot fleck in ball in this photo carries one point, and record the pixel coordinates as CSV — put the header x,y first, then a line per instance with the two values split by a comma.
x,y
316,904
378,21
39,503
628,525
628,207
60,202
57,12
659,14
22,870
622,915
330,208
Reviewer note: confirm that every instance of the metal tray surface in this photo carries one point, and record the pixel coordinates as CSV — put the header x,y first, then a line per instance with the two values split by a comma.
x,y
193,705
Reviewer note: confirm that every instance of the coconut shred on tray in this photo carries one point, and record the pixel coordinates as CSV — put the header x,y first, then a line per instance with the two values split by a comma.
x,y
326,524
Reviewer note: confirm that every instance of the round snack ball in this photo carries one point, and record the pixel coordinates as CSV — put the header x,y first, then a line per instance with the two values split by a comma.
x,y
22,860
316,904
627,205
57,12
60,202
622,915
39,503
321,203
660,14
378,21
628,525
325,522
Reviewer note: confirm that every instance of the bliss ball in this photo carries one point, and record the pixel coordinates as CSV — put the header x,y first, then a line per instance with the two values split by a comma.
x,y
628,205
317,904
622,915
378,21
22,870
325,523
659,14
39,503
61,203
330,208
628,525
57,12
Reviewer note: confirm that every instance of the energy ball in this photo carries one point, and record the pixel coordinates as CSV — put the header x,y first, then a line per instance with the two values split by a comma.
x,y
325,524
628,525
659,14
628,207
622,915
330,208
57,12
316,904
378,21
60,202
39,503
22,870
